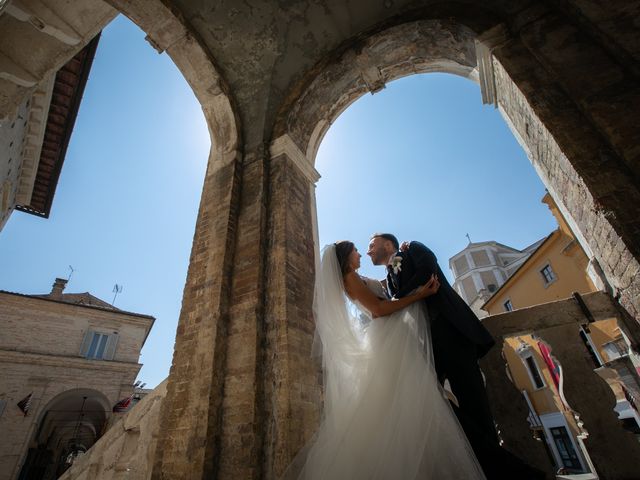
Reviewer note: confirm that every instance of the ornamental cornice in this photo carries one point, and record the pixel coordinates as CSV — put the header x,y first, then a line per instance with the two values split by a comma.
x,y
12,356
485,44
284,145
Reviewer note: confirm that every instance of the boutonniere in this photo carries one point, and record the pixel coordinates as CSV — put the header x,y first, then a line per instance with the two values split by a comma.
x,y
396,264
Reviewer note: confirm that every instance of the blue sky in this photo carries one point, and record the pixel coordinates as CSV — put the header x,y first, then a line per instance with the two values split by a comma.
x,y
423,158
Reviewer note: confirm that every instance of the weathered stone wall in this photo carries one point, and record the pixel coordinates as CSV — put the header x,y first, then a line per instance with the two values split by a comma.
x,y
241,399
612,449
239,433
428,45
591,184
191,412
611,24
292,382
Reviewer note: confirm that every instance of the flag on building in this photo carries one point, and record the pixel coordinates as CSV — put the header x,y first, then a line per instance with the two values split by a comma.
x,y
553,367
25,404
122,405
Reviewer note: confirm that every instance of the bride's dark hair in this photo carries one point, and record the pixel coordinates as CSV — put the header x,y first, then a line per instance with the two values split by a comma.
x,y
343,250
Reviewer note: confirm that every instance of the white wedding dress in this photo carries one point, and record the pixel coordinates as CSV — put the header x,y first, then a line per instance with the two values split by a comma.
x,y
385,415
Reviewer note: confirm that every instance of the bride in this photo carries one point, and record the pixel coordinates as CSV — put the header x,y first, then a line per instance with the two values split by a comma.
x,y
385,415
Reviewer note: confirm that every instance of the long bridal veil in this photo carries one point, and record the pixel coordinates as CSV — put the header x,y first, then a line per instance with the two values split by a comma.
x,y
385,416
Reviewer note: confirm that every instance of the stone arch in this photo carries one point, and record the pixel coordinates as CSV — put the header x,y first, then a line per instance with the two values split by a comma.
x,y
69,424
59,33
205,297
568,148
565,146
430,45
96,395
168,32
193,395
241,398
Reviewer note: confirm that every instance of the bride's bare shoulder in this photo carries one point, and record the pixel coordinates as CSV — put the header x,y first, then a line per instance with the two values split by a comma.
x,y
351,282
351,277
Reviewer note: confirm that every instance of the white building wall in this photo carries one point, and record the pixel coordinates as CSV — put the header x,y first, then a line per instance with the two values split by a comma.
x,y
503,261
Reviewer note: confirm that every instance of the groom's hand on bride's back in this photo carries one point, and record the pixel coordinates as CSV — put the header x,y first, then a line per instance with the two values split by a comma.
x,y
429,288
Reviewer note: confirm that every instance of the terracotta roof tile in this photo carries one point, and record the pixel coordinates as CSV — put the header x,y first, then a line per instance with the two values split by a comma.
x,y
65,102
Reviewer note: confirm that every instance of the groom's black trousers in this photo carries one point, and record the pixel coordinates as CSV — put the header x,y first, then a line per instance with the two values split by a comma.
x,y
455,359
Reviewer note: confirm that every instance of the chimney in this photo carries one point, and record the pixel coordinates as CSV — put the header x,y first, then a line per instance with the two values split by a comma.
x,y
58,287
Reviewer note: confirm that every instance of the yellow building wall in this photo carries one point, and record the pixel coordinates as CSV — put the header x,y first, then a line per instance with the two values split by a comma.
x,y
602,332
544,400
527,286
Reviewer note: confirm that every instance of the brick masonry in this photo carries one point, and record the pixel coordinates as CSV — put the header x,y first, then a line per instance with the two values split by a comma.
x,y
243,395
40,354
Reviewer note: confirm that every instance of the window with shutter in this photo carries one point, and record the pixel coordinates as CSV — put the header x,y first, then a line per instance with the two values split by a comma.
x,y
99,345
86,341
110,350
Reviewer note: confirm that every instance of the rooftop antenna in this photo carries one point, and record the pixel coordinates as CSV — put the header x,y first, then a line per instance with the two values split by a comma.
x,y
70,273
468,237
116,290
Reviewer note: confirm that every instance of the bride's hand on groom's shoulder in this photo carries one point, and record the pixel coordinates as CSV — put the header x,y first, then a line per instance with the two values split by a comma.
x,y
404,246
429,288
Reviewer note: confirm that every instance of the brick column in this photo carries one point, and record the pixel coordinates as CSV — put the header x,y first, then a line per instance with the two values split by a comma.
x,y
292,382
190,417
237,450
244,394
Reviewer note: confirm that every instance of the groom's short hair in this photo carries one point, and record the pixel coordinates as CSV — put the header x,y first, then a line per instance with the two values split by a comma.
x,y
387,236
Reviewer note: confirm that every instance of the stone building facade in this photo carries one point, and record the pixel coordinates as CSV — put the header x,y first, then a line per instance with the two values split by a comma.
x,y
550,270
242,396
555,267
481,268
492,277
66,359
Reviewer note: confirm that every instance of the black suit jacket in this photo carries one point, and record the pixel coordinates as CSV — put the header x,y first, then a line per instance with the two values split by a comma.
x,y
416,267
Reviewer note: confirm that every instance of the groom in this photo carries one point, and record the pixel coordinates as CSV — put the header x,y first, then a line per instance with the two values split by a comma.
x,y
459,340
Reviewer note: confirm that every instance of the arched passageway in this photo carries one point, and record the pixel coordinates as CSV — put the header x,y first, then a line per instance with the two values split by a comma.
x,y
69,425
455,47
242,395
